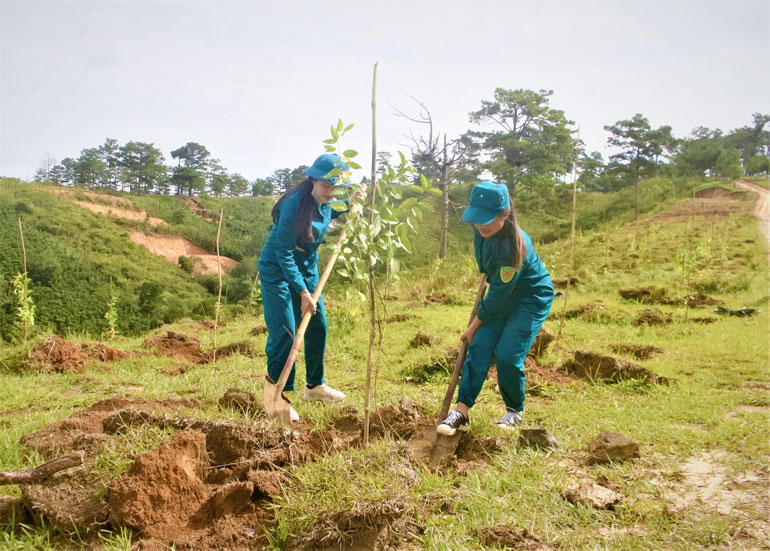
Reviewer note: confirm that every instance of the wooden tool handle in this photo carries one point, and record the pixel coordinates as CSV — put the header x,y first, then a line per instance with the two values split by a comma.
x,y
461,354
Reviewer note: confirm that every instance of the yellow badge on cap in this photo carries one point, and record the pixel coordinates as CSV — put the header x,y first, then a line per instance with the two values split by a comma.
x,y
507,273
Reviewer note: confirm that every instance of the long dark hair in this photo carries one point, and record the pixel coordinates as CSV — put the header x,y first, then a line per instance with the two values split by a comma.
x,y
511,230
303,221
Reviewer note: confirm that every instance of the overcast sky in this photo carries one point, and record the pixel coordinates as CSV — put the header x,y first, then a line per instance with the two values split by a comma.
x,y
259,83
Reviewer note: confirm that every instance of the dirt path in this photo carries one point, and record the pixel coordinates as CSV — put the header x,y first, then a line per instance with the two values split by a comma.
x,y
762,210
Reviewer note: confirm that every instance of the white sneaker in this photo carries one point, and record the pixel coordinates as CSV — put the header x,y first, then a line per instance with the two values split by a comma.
x,y
293,415
323,393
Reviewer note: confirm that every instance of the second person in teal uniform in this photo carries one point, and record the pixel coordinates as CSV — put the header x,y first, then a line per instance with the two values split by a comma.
x,y
510,316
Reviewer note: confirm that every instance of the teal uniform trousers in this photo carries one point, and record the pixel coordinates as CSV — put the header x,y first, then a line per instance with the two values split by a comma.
x,y
513,311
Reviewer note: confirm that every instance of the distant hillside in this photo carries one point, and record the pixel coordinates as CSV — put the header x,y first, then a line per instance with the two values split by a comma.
x,y
82,248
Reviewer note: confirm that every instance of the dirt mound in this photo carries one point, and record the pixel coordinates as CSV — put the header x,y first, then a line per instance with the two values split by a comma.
x,y
542,342
181,347
653,316
647,295
478,448
239,400
102,352
423,339
163,490
699,300
397,318
397,421
562,283
592,366
70,500
595,311
259,330
703,320
639,351
83,431
56,354
176,345
508,537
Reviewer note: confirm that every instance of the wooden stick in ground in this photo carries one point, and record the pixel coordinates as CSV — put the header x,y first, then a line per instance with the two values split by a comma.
x,y
40,473
461,354
372,320
571,248
23,250
219,296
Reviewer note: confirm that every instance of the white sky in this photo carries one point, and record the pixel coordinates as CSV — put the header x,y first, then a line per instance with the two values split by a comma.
x,y
259,83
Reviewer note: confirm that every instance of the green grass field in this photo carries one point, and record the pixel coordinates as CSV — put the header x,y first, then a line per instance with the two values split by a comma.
x,y
713,413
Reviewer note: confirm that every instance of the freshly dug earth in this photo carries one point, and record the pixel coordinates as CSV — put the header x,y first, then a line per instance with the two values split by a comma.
x,y
653,316
639,351
181,347
592,366
647,295
507,537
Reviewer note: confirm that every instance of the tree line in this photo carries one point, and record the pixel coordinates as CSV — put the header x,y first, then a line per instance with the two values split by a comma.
x,y
138,168
519,138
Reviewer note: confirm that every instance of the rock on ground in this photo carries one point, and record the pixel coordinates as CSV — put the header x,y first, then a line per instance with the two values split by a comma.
x,y
612,446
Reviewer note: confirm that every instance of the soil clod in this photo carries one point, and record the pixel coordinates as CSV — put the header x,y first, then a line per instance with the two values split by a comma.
x,y
423,339
538,438
594,495
259,330
242,401
612,446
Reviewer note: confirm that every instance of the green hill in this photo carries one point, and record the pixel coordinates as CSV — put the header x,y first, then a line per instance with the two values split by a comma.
x,y
77,260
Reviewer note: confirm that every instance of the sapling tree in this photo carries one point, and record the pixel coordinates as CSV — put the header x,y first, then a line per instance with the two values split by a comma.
x,y
26,309
393,209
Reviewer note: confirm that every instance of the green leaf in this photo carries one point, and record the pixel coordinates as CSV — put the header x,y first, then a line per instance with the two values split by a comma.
x,y
350,153
353,165
344,273
330,140
335,133
349,127
423,181
434,191
329,148
338,206
427,207
339,125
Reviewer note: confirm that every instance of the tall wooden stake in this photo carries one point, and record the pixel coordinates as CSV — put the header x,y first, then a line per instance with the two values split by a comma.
x,y
219,296
372,320
572,245
23,250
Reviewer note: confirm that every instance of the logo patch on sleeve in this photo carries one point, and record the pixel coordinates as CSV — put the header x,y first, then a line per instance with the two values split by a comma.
x,y
507,273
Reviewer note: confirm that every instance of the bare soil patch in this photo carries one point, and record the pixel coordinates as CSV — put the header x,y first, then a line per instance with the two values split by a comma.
x,y
707,208
647,295
171,248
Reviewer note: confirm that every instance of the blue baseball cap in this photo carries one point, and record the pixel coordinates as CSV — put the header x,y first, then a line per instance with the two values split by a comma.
x,y
488,200
323,165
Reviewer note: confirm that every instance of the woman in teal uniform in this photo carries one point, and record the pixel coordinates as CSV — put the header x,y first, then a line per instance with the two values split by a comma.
x,y
510,316
288,273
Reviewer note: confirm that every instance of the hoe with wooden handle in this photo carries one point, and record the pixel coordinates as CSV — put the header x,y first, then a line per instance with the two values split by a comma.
x,y
276,404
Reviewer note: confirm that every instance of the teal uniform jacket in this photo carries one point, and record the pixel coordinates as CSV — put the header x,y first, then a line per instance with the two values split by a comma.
x,y
288,265
287,256
531,283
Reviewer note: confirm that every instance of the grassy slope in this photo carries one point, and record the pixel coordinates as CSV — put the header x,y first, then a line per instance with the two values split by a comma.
x,y
717,369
